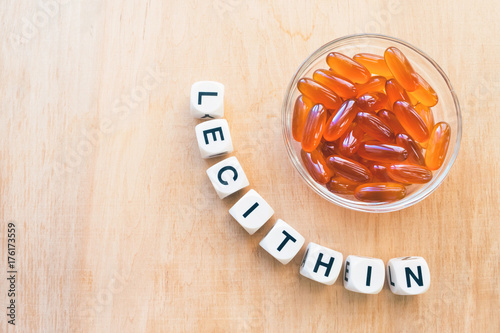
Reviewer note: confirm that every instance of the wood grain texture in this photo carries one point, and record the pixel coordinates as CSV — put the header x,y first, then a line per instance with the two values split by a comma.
x,y
118,227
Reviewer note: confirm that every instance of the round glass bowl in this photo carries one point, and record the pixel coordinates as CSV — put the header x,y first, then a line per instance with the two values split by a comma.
x,y
447,109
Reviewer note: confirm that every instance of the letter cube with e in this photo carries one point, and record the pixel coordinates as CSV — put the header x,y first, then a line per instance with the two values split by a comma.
x,y
364,275
408,275
251,211
227,177
207,100
213,138
282,242
321,264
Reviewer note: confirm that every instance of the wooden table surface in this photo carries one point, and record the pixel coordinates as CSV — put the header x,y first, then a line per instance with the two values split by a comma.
x,y
117,226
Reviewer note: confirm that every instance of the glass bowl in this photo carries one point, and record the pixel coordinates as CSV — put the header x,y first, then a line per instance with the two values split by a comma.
x,y
448,110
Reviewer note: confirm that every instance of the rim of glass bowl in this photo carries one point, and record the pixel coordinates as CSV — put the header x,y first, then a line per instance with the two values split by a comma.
x,y
373,207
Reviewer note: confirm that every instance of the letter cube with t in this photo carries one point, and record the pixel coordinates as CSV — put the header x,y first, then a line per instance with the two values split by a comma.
x,y
282,242
251,211
408,275
213,138
321,264
207,100
227,177
364,275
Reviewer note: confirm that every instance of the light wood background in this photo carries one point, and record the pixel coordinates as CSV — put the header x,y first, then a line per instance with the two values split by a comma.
x,y
118,228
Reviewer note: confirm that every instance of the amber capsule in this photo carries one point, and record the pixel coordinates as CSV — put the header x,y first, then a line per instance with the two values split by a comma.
x,y
348,68
391,120
351,141
426,114
438,146
349,169
300,112
341,86
401,68
376,83
373,101
339,122
382,152
424,93
375,127
319,94
316,165
328,148
408,173
412,147
411,121
380,192
341,185
314,128
379,172
374,63
395,92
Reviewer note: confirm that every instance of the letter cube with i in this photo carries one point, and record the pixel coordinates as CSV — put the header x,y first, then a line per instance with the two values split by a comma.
x,y
207,100
408,275
321,264
251,211
227,177
213,138
364,275
282,242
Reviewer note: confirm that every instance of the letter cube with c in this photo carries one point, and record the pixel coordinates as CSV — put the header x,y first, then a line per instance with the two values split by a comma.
x,y
321,264
282,242
213,138
207,100
364,275
408,275
227,177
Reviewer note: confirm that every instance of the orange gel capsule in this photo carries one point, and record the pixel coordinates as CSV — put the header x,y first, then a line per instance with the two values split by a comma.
x,y
348,68
413,100
412,147
438,146
424,93
395,92
380,192
328,148
314,128
374,63
411,121
351,141
341,185
391,120
316,165
349,169
373,101
379,172
318,93
410,174
300,112
376,83
382,152
339,122
426,113
401,68
342,87
374,127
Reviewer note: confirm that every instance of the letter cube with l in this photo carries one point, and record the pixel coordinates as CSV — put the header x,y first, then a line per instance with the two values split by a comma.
x,y
227,177
207,100
282,242
408,275
213,138
364,275
321,264
251,211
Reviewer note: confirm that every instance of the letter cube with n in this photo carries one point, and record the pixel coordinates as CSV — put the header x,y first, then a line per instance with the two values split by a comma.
x,y
282,242
227,177
364,275
408,275
321,264
207,100
251,211
213,138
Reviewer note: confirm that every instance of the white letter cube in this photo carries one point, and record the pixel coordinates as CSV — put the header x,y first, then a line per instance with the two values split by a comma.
x,y
364,275
321,264
408,275
207,99
214,138
251,211
227,177
282,242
